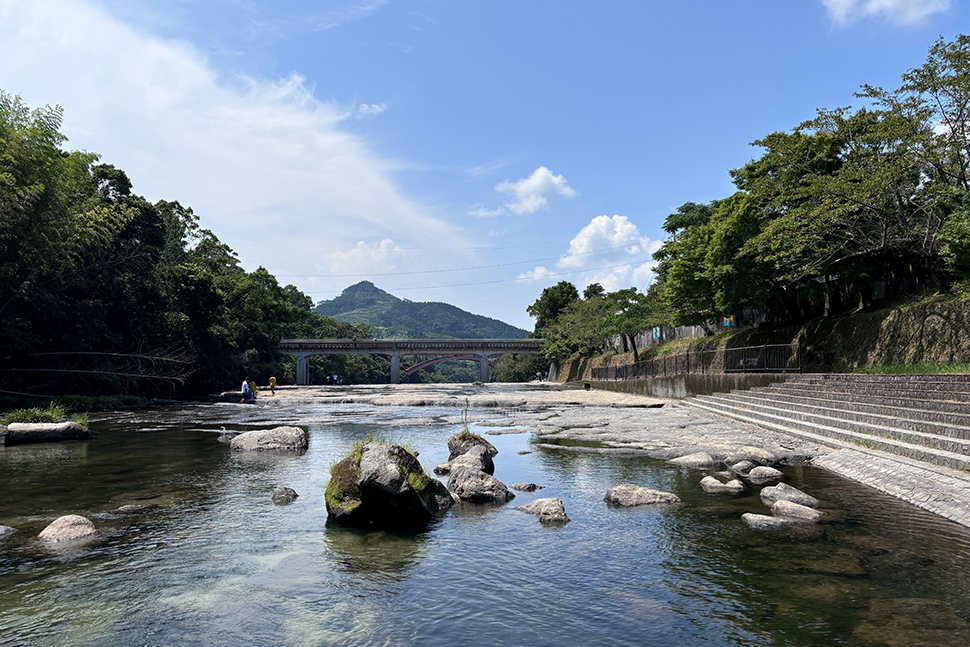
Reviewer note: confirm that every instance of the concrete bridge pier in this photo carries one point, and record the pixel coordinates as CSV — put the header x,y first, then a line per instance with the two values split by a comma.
x,y
395,368
302,369
483,368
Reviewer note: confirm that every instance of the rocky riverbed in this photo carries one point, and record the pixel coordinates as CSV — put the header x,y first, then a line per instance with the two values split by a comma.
x,y
582,420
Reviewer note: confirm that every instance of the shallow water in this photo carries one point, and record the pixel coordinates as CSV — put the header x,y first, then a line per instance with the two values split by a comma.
x,y
212,561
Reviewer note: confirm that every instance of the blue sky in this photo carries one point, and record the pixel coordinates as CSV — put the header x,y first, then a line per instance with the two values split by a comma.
x,y
467,152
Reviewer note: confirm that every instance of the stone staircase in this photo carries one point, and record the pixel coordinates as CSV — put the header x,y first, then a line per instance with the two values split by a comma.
x,y
907,435
921,417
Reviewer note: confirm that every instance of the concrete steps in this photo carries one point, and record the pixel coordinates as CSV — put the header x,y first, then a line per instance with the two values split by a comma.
x,y
922,418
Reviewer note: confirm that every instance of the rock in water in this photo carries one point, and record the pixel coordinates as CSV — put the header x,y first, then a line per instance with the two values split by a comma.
x,y
521,486
762,474
287,439
743,467
383,484
700,460
70,527
22,433
549,511
628,495
795,511
464,440
475,486
764,522
713,486
284,495
785,492
755,455
6,530
477,457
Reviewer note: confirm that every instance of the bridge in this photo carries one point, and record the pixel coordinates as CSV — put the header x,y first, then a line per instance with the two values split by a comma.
x,y
480,349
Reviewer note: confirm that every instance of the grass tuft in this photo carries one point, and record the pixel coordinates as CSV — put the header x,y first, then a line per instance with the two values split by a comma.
x,y
53,413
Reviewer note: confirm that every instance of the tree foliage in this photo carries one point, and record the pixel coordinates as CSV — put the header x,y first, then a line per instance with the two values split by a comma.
x,y
102,291
845,208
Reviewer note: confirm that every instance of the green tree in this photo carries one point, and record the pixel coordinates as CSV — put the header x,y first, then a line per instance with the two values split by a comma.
x,y
553,300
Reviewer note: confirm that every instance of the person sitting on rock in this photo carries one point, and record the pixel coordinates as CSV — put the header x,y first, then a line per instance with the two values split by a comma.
x,y
247,392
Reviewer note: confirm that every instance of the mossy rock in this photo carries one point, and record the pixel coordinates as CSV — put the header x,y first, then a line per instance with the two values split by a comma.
x,y
383,484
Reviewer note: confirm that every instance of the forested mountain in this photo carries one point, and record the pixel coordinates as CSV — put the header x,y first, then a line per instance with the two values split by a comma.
x,y
391,317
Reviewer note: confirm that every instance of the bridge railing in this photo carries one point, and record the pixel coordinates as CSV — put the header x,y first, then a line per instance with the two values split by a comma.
x,y
415,346
767,358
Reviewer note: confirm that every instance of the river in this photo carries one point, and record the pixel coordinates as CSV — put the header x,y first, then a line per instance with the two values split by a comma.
x,y
211,560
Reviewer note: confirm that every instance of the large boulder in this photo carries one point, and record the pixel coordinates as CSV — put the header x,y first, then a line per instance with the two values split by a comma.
x,y
477,457
286,439
628,495
785,492
71,527
795,511
475,486
383,484
711,485
464,440
23,433
549,510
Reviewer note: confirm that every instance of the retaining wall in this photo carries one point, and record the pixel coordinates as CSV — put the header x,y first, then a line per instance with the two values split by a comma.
x,y
691,384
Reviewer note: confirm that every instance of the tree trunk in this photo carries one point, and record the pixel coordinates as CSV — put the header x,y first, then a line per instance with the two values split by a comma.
x,y
633,344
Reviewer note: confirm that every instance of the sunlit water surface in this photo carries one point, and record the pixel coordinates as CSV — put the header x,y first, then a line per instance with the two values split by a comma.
x,y
213,561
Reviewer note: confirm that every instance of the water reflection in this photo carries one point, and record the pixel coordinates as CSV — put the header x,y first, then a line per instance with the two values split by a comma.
x,y
378,556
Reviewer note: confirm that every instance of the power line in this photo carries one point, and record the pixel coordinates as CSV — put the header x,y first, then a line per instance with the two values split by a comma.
x,y
457,269
517,279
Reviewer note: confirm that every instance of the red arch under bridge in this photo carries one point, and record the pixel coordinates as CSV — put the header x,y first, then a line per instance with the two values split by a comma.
x,y
441,349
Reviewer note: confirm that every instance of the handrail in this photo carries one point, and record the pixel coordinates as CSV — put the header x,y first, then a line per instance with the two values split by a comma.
x,y
767,358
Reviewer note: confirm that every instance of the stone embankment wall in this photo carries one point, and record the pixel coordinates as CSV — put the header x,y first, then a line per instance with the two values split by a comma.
x,y
933,330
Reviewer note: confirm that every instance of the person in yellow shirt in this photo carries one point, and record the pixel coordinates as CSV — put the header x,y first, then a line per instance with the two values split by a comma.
x,y
272,385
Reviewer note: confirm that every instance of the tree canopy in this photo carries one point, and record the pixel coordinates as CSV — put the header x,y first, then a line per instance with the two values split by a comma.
x,y
847,207
103,291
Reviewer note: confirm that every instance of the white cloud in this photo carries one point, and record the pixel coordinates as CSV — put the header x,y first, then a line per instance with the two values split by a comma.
x,y
481,211
263,162
529,194
603,240
363,258
371,109
537,274
282,28
898,12
609,251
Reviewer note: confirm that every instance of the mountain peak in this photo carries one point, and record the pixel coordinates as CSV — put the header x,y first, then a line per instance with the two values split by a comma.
x,y
392,317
